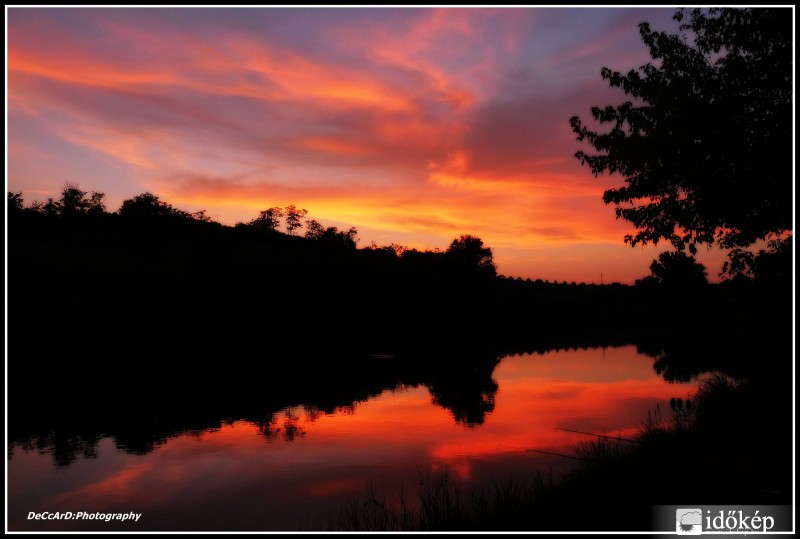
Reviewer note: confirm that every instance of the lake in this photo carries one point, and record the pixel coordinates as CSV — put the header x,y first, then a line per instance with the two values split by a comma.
x,y
299,467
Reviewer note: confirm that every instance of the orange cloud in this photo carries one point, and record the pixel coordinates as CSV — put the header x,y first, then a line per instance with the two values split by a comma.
x,y
335,146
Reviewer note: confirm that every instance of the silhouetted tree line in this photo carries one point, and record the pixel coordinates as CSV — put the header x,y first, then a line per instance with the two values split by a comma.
x,y
269,220
149,259
152,269
75,203
466,257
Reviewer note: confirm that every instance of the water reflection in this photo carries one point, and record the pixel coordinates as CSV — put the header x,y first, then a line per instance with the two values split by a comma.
x,y
469,393
223,476
288,427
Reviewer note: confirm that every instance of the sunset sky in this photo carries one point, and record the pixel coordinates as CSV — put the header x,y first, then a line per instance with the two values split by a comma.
x,y
414,125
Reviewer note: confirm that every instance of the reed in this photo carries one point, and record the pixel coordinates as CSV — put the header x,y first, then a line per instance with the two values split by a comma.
x,y
692,456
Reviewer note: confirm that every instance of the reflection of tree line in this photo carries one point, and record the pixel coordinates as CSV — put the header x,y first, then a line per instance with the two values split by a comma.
x,y
459,381
288,429
140,421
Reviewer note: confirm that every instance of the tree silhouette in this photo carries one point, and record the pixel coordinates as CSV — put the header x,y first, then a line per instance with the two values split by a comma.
x,y
339,238
676,270
468,252
73,200
705,143
146,205
293,218
97,205
52,208
314,229
331,235
268,219
15,202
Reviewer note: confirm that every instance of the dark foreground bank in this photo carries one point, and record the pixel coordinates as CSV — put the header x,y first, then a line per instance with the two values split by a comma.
x,y
733,447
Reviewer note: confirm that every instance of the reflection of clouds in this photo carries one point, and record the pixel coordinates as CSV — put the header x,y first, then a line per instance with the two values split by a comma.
x,y
559,394
393,435
692,518
570,369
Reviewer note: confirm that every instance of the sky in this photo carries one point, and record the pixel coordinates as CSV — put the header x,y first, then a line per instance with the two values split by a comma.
x,y
413,125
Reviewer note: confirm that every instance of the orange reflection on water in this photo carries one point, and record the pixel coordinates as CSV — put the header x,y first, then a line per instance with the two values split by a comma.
x,y
246,479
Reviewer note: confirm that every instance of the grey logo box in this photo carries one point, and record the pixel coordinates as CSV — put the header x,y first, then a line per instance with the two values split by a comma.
x,y
682,519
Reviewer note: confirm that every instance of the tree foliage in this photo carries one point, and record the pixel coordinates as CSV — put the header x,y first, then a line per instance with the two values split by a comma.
x,y
468,252
148,206
705,143
331,235
97,203
15,202
74,201
676,269
269,219
77,204
314,229
293,217
773,264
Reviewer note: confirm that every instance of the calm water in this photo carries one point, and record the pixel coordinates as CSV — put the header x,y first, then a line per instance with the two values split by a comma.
x,y
299,469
